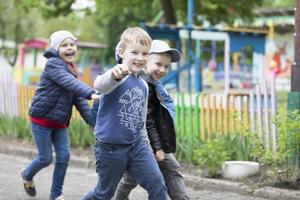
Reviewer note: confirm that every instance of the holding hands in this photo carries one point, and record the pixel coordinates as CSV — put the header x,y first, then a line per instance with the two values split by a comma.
x,y
120,71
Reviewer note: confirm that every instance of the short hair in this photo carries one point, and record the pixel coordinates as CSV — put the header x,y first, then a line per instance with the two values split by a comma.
x,y
135,35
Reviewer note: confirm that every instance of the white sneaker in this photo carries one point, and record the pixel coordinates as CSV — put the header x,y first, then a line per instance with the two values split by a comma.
x,y
61,197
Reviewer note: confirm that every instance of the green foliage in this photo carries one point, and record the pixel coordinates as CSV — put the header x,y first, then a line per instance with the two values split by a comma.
x,y
219,148
283,162
109,19
211,156
80,134
15,127
184,146
115,16
278,3
216,11
14,26
54,8
239,146
282,98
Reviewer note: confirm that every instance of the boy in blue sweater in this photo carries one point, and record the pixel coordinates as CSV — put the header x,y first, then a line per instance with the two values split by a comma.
x,y
120,125
159,124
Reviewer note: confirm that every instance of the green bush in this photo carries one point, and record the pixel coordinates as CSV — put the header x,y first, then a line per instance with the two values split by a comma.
x,y
238,145
185,146
15,127
210,156
283,162
80,134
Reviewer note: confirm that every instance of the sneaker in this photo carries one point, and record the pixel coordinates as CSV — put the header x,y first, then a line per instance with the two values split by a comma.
x,y
29,187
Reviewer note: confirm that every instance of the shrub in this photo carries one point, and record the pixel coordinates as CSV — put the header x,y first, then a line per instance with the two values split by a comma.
x,y
80,134
283,162
210,156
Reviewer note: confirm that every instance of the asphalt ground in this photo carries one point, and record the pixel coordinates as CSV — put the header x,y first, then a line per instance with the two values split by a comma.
x,y
81,177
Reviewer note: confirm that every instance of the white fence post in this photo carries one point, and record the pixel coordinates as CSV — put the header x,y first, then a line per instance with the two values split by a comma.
x,y
252,111
273,113
266,129
2,92
266,114
8,91
259,114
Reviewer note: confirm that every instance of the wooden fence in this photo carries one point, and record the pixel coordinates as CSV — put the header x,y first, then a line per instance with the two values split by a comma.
x,y
204,115
8,93
197,115
15,99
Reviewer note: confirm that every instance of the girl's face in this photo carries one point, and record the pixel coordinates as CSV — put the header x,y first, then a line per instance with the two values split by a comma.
x,y
135,56
67,50
158,65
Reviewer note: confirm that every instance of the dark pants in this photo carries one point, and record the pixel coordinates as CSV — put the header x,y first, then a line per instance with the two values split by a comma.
x,y
170,169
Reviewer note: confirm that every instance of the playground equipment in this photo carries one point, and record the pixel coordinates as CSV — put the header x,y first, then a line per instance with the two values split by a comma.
x,y
232,41
30,61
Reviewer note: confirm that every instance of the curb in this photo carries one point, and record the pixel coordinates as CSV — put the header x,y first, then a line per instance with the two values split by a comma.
x,y
193,181
29,153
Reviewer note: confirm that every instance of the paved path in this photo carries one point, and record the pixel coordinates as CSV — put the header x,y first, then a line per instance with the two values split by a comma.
x,y
77,183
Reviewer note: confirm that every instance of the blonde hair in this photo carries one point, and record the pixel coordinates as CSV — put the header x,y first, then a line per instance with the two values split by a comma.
x,y
135,35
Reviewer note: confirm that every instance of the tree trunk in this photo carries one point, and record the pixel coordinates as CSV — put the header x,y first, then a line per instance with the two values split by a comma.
x,y
168,9
3,35
12,61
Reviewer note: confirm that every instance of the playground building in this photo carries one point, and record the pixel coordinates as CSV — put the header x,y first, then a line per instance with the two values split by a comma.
x,y
30,61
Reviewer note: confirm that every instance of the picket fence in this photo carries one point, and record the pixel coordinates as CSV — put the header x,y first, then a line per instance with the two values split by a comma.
x,y
198,116
205,115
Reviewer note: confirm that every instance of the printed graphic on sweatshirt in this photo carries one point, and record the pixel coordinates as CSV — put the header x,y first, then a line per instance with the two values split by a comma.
x,y
132,110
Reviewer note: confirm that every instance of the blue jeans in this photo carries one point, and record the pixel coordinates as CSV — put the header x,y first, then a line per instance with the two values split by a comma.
x,y
44,138
112,161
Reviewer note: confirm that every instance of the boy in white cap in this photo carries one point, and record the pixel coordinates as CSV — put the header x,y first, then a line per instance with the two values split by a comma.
x,y
51,108
159,124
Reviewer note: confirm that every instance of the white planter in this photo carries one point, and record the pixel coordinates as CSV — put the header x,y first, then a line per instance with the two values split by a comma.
x,y
239,169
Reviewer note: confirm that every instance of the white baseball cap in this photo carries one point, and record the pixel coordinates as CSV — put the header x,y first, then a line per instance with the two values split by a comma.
x,y
58,37
159,46
117,56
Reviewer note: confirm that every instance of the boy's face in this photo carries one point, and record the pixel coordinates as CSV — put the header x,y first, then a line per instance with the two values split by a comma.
x,y
67,50
158,65
135,56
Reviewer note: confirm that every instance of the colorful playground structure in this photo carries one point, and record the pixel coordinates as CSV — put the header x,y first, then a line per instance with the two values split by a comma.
x,y
231,58
212,59
30,61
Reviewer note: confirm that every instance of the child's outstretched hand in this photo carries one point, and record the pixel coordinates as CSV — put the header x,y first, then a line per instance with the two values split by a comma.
x,y
120,71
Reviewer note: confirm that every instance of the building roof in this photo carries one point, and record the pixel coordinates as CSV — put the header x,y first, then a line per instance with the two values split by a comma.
x,y
282,18
42,43
283,11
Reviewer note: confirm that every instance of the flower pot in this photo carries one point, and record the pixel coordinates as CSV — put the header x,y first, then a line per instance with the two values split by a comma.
x,y
239,169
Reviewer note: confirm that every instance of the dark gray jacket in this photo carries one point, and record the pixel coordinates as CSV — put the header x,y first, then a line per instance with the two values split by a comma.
x,y
58,90
160,125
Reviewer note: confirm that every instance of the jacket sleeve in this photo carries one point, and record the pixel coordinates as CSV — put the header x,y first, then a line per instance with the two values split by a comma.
x,y
57,71
86,112
105,84
152,114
